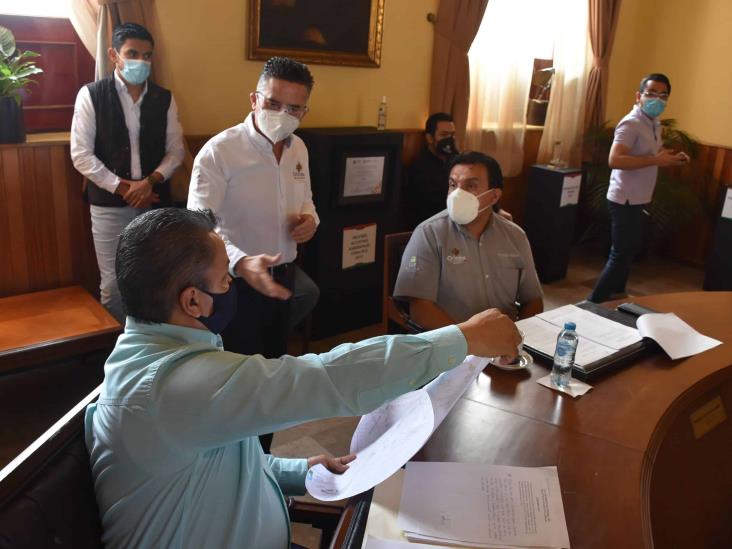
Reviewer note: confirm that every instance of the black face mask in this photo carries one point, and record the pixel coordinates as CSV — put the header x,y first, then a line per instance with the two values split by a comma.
x,y
447,146
224,310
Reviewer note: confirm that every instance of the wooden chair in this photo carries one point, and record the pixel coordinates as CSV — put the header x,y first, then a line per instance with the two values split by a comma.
x,y
394,309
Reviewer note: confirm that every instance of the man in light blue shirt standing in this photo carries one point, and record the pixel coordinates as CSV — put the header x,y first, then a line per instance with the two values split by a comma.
x,y
173,437
635,156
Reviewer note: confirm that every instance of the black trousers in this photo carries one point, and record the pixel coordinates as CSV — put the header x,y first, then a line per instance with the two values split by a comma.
x,y
261,324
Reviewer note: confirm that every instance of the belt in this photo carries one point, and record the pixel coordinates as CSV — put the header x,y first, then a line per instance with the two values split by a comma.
x,y
281,269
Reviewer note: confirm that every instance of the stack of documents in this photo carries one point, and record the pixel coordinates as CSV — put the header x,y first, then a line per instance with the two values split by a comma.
x,y
478,505
598,337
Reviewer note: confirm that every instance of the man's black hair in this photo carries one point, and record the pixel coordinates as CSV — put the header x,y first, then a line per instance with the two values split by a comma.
x,y
160,253
655,77
125,31
284,68
495,175
430,126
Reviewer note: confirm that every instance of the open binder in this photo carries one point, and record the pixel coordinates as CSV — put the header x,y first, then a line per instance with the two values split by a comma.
x,y
617,359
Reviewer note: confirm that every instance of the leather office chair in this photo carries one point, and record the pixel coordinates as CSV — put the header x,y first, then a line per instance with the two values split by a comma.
x,y
47,496
394,309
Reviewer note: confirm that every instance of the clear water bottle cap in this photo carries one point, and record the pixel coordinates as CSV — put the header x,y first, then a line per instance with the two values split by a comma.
x,y
570,326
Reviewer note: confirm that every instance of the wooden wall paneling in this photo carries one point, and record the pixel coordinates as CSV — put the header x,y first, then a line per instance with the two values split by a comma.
x,y
14,211
62,228
6,252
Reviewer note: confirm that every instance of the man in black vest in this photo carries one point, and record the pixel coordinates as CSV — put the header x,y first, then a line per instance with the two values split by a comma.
x,y
127,141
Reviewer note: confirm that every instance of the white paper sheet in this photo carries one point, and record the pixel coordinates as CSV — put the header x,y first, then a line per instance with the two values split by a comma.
x,y
388,437
495,505
384,441
600,330
570,190
727,208
542,335
376,543
675,336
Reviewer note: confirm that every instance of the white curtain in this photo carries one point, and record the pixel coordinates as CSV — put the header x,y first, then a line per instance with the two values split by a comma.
x,y
513,33
90,20
572,64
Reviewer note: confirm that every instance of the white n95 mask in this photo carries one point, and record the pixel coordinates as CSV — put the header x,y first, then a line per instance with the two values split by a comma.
x,y
463,207
276,125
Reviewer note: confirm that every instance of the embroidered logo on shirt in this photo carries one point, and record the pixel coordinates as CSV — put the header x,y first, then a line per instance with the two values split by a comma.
x,y
411,266
455,258
298,174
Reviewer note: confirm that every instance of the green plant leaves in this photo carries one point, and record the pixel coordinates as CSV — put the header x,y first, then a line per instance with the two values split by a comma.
x,y
7,43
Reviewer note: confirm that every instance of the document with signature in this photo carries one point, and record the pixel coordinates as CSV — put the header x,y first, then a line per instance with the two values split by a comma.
x,y
389,436
480,505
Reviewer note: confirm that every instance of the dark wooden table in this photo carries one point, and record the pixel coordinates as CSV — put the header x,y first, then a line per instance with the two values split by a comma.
x,y
632,472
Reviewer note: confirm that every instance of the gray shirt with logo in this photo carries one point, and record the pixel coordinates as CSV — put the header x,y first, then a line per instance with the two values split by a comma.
x,y
445,264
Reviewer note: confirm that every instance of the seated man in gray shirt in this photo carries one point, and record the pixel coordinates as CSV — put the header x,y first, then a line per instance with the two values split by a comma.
x,y
466,259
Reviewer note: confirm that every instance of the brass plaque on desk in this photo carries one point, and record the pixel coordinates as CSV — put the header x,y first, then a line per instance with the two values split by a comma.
x,y
707,417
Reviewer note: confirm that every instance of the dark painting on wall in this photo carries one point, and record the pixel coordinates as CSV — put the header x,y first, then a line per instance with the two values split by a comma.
x,y
330,32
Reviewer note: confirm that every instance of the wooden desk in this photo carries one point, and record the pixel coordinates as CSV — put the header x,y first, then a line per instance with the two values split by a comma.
x,y
631,470
53,324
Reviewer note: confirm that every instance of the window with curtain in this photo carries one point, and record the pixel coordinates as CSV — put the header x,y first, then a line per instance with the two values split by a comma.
x,y
513,35
43,26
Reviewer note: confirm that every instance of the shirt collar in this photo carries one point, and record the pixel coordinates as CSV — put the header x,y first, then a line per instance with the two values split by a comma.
x,y
181,333
261,142
121,87
637,112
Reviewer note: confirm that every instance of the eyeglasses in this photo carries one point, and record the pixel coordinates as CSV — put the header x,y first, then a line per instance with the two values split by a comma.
x,y
655,95
274,105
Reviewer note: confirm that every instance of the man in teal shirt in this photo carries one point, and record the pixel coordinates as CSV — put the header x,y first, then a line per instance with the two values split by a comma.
x,y
173,437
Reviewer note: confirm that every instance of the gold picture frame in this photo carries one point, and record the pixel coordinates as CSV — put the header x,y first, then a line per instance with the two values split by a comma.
x,y
326,32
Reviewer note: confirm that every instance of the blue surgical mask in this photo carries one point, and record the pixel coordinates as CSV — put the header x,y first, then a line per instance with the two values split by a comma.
x,y
135,71
653,107
224,310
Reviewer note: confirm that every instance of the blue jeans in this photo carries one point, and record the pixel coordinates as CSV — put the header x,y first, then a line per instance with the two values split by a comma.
x,y
626,231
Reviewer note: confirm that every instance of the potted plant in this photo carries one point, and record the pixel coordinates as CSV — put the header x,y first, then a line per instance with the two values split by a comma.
x,y
15,77
541,83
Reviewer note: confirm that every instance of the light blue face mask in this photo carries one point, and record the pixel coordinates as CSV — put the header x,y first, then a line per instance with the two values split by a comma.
x,y
653,107
135,71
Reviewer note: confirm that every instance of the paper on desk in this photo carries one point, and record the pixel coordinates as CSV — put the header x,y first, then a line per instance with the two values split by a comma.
x,y
389,436
376,543
541,335
576,387
601,330
675,336
484,505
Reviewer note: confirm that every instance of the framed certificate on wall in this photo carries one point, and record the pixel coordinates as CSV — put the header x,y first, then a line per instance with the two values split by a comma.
x,y
363,178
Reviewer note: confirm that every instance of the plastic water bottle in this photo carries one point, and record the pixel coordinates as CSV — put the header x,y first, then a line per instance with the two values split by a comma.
x,y
564,355
382,114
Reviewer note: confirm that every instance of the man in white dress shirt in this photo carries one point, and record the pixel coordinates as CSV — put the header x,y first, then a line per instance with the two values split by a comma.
x,y
127,141
255,178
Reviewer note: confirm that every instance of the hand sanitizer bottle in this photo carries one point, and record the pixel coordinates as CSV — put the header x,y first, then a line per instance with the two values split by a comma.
x,y
382,114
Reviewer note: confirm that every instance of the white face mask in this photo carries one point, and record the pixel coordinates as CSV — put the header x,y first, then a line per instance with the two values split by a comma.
x,y
462,206
276,125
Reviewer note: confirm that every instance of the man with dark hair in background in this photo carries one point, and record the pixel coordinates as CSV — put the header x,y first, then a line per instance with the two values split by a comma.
x,y
635,156
428,174
255,178
127,169
466,259
172,438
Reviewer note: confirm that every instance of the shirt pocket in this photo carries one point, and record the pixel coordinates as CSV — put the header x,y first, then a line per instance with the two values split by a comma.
x,y
509,272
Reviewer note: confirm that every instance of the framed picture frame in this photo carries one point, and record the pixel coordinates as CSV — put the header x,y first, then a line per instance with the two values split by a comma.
x,y
363,176
327,32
